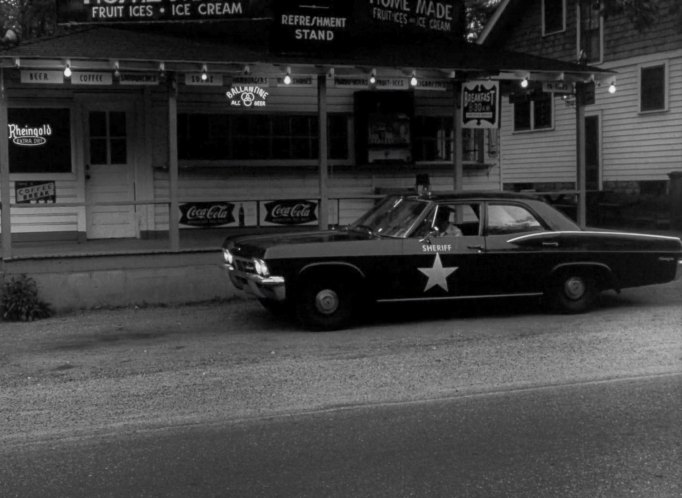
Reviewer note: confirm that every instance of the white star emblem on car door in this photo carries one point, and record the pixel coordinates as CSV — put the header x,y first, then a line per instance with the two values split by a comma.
x,y
437,274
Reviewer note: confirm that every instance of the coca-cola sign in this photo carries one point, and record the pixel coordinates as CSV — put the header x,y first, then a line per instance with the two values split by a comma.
x,y
207,214
291,212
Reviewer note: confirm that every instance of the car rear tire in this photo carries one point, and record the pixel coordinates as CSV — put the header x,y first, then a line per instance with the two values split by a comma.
x,y
572,292
323,305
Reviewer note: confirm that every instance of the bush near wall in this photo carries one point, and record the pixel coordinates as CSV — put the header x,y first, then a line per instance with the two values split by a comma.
x,y
20,302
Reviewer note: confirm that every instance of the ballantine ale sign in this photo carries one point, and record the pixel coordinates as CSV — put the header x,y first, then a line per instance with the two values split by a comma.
x,y
29,136
290,212
481,104
207,214
247,96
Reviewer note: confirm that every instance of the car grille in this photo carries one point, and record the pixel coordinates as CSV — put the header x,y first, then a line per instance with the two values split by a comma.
x,y
244,265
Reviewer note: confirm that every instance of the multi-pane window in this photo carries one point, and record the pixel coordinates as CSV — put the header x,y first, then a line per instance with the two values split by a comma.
x,y
553,16
258,137
432,137
653,90
533,113
108,138
589,31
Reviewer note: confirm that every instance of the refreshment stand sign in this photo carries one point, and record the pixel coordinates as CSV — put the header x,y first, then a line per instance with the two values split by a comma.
x,y
481,104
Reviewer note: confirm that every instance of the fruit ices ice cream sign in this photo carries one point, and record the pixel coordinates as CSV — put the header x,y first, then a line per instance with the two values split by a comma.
x,y
112,11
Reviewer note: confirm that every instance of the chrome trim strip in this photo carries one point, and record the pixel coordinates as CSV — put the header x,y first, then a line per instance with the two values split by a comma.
x,y
588,232
458,298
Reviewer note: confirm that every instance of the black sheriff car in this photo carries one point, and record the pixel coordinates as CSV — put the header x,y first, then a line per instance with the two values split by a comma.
x,y
447,247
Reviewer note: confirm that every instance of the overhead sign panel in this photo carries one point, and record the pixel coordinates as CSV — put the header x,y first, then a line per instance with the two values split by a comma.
x,y
321,25
136,11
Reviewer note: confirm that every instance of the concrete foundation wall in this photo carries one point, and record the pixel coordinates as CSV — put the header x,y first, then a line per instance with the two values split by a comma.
x,y
68,284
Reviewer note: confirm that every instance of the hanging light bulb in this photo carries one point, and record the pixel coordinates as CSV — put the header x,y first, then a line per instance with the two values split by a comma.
x,y
117,72
287,77
413,79
373,77
524,82
612,88
204,73
67,70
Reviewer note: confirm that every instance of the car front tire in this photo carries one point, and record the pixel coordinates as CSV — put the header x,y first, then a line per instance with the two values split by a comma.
x,y
572,292
323,305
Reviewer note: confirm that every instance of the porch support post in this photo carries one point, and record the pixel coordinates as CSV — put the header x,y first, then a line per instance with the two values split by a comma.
x,y
173,216
323,153
5,217
580,154
457,145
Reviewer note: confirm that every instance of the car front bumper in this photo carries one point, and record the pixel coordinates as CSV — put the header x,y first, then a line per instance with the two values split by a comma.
x,y
272,287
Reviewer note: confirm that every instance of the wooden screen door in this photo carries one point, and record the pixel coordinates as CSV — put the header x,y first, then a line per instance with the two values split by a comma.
x,y
109,174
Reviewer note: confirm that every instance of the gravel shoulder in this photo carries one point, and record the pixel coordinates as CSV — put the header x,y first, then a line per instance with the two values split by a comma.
x,y
131,369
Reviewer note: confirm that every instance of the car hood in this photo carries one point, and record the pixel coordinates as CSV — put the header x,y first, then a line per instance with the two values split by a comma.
x,y
257,245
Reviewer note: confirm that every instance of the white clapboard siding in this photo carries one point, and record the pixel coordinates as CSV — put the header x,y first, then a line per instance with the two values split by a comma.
x,y
635,146
542,155
640,146
51,218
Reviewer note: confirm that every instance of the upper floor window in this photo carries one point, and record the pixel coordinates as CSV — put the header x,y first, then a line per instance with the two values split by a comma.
x,y
533,112
258,137
553,16
590,39
653,88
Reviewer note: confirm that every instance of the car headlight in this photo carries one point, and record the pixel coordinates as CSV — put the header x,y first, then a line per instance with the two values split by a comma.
x,y
261,267
228,257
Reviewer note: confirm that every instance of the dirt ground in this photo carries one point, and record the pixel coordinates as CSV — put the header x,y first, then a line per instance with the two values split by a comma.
x,y
129,369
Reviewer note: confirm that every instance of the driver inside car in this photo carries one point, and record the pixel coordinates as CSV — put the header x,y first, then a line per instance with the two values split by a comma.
x,y
444,224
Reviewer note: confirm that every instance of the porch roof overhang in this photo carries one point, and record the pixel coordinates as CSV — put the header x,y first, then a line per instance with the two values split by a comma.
x,y
187,49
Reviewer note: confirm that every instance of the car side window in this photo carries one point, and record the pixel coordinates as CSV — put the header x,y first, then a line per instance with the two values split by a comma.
x,y
508,219
466,219
425,226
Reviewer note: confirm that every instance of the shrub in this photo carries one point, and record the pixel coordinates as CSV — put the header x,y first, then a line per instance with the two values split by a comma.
x,y
20,301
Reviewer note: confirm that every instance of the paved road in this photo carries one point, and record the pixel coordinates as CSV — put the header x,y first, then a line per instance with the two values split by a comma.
x,y
609,439
123,382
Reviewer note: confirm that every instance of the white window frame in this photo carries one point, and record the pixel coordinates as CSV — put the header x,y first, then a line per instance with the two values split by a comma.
x,y
666,86
579,39
563,16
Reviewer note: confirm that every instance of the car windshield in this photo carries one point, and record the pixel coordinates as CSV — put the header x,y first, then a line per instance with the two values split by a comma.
x,y
393,217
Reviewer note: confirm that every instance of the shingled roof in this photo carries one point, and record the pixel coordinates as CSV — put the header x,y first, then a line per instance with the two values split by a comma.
x,y
249,45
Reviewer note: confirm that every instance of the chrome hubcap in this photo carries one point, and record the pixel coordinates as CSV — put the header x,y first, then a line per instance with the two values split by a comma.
x,y
327,301
574,288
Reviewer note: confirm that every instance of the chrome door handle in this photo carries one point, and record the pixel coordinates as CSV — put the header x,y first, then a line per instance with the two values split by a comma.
x,y
478,248
550,244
